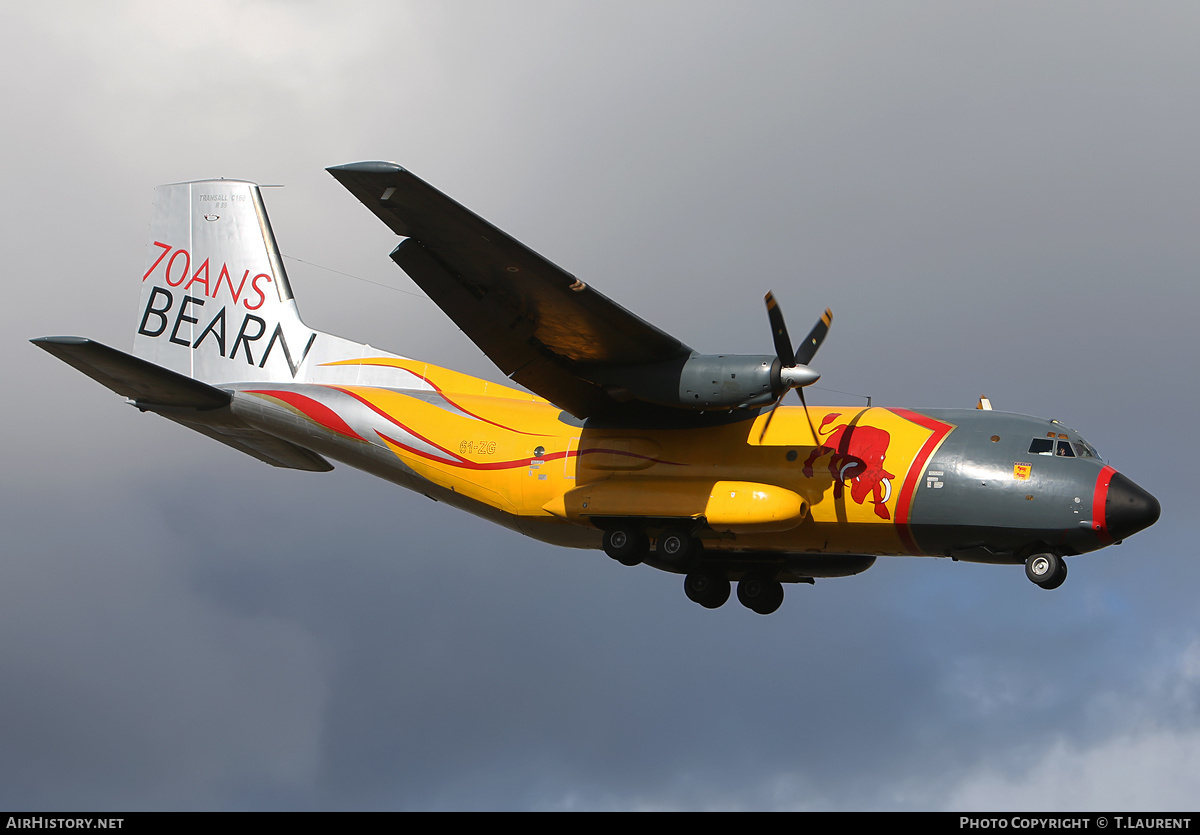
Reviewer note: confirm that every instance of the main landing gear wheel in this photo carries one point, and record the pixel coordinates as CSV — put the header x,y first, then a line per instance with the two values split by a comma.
x,y
626,545
708,589
677,546
760,594
1046,570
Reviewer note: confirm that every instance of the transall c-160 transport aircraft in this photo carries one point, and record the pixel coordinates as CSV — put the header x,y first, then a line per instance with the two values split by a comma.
x,y
631,442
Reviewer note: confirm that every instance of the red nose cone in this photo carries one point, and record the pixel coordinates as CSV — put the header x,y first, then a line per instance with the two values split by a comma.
x,y
1129,508
1120,508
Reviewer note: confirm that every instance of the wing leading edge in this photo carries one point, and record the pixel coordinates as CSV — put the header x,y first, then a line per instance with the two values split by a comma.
x,y
543,327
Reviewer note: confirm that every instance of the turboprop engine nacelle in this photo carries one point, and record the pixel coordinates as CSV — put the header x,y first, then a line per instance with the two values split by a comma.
x,y
709,381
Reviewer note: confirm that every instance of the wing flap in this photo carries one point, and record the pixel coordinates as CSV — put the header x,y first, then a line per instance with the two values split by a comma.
x,y
505,338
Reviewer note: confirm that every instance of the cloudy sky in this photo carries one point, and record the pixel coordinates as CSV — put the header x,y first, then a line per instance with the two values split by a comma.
x,y
994,198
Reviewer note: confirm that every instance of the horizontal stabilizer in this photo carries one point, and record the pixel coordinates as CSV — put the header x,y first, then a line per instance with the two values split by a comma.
x,y
188,402
266,448
143,382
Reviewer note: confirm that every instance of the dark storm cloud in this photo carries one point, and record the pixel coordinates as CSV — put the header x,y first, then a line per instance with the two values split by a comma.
x,y
993,200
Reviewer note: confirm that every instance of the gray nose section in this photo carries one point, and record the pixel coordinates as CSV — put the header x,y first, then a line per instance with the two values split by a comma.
x,y
1129,508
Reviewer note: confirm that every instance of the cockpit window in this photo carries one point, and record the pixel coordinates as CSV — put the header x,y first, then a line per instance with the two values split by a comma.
x,y
1042,446
1061,448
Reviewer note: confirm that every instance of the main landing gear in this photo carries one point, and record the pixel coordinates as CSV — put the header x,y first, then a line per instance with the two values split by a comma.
x,y
710,589
677,548
707,588
628,544
760,594
1046,570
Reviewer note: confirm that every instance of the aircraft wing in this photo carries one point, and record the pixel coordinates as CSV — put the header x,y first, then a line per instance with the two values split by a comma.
x,y
543,327
188,402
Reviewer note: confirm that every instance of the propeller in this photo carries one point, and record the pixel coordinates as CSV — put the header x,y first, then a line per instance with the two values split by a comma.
x,y
794,372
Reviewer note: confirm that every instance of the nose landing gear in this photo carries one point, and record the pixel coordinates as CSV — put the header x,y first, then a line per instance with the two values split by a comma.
x,y
1046,570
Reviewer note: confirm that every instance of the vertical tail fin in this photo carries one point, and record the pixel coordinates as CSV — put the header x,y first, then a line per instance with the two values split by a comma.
x,y
216,304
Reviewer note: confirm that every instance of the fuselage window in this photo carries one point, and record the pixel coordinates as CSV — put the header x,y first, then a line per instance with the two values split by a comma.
x,y
1042,446
1064,450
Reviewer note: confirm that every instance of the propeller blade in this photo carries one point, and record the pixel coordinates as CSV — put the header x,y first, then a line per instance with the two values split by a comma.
x,y
783,344
770,417
775,405
807,348
807,417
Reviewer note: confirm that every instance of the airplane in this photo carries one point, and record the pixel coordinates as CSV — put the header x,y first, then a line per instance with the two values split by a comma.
x,y
620,436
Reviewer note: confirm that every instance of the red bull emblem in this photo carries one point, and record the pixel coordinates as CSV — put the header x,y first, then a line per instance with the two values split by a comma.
x,y
856,456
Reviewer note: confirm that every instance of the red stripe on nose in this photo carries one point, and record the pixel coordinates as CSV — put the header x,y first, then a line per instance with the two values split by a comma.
x,y
1099,501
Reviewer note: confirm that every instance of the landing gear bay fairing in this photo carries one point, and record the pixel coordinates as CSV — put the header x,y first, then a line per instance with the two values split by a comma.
x,y
632,442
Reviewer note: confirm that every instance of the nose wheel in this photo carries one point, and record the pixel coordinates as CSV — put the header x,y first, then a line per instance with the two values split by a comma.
x,y
1046,570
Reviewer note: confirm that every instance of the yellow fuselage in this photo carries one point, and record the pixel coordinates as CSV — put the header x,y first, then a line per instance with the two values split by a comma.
x,y
516,458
